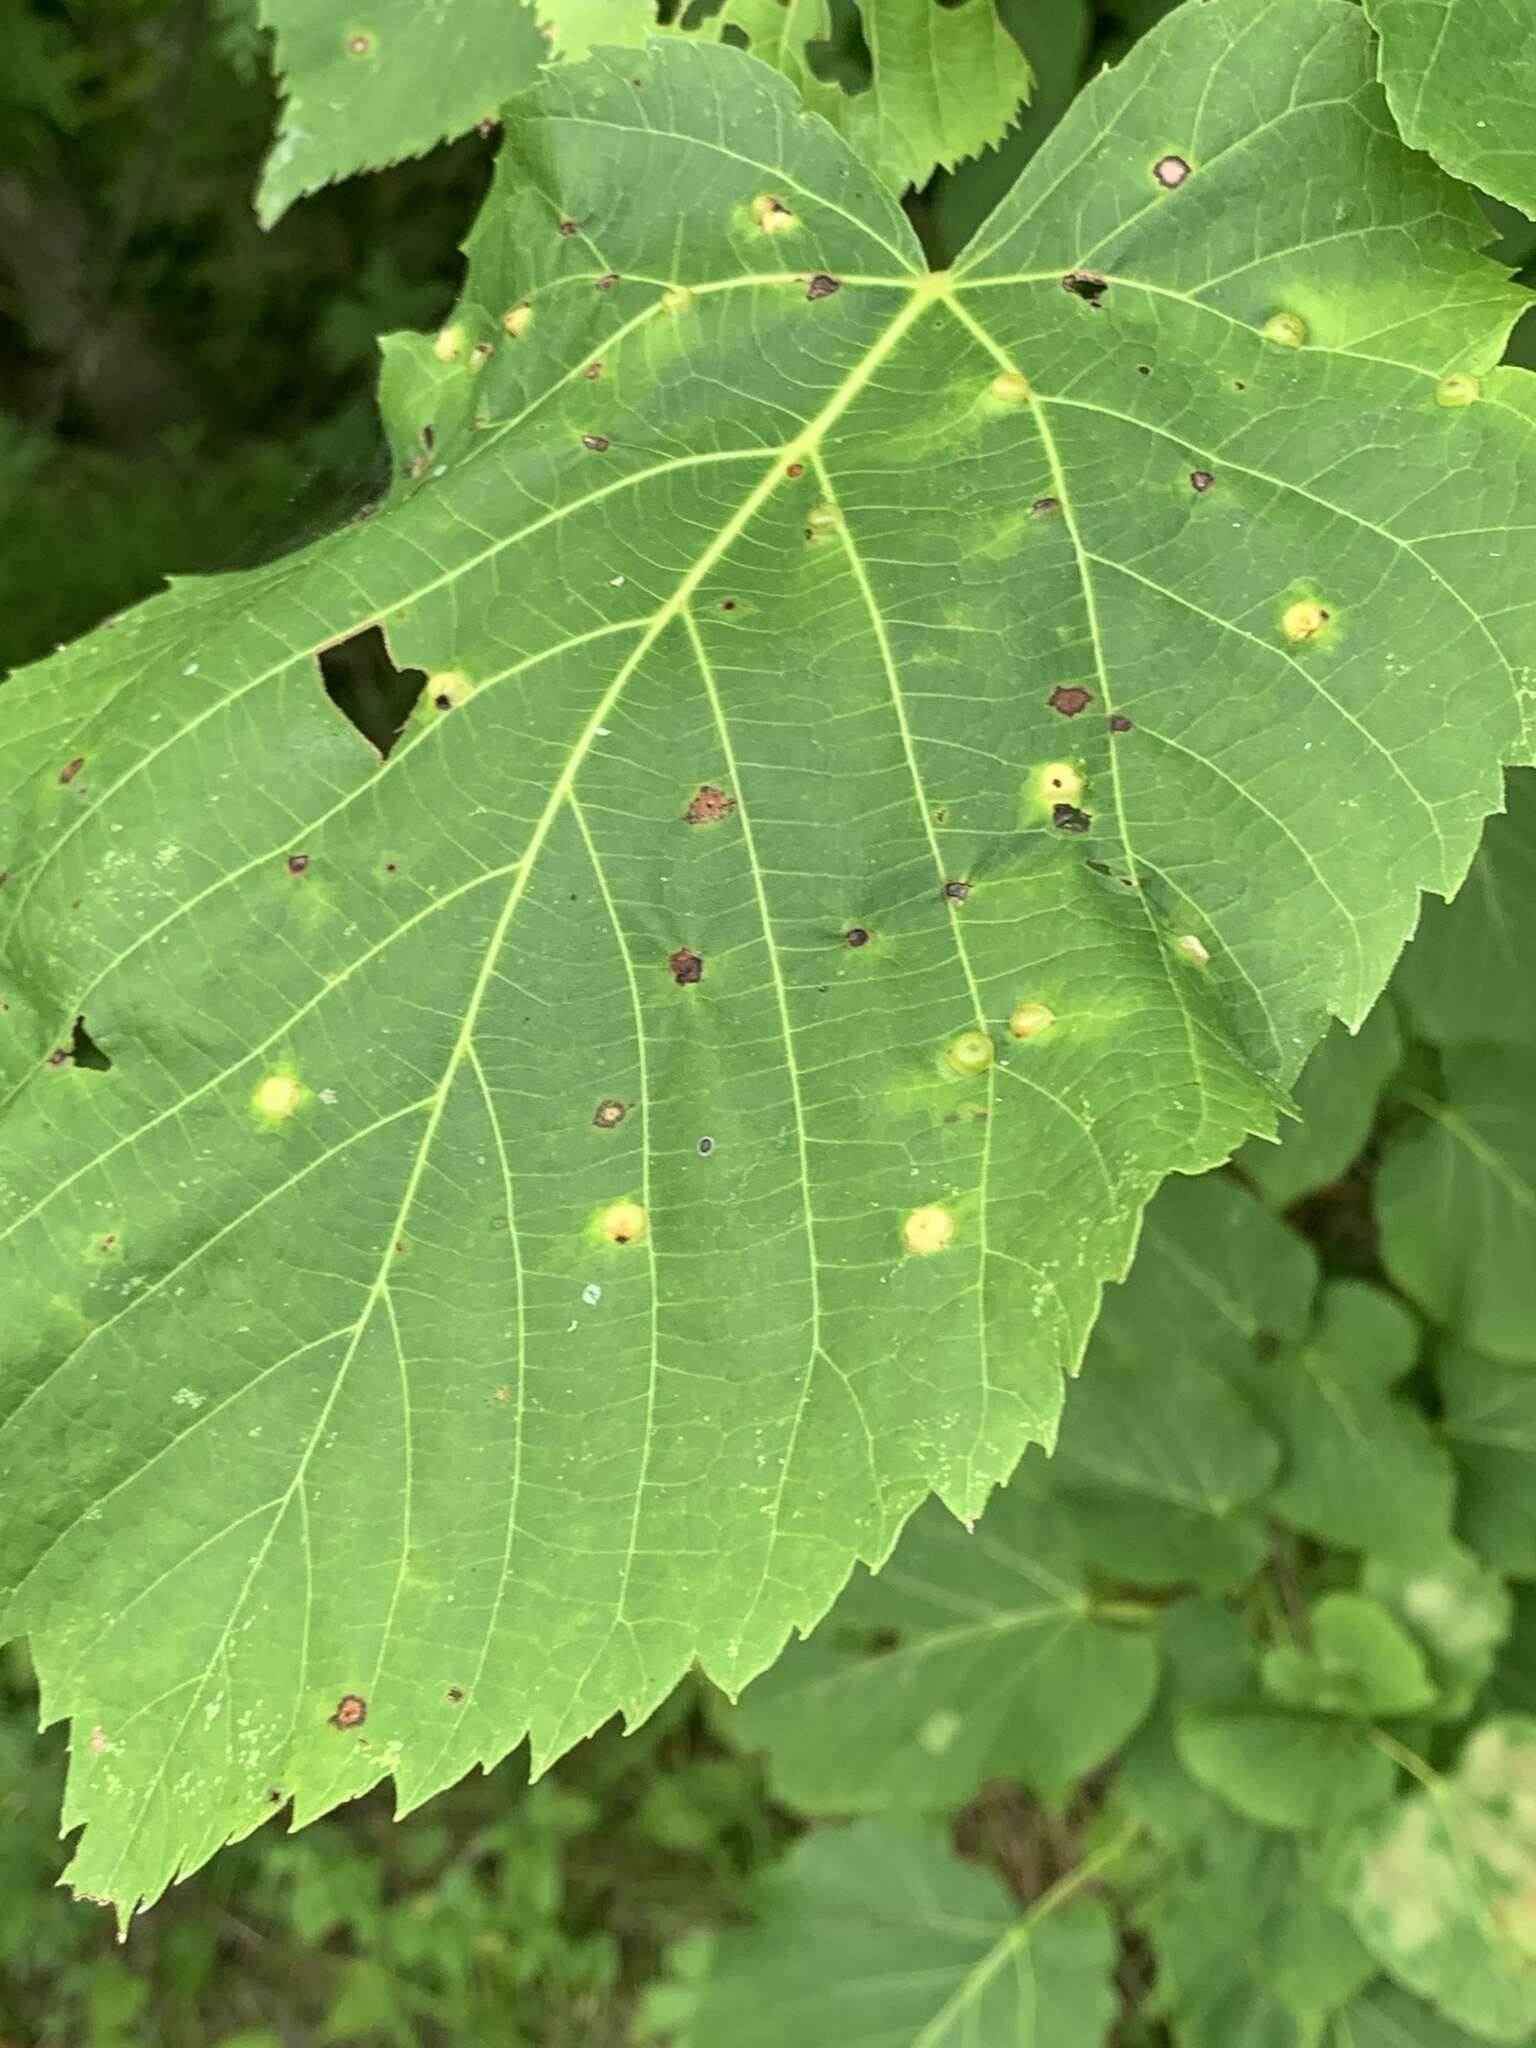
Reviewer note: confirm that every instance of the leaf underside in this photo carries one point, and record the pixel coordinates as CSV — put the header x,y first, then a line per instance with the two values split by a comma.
x,y
340,1436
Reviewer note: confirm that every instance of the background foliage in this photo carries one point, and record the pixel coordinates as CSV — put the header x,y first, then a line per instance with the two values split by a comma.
x,y
1227,1712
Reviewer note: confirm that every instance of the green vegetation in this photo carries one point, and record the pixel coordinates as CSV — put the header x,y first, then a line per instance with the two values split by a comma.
x,y
580,1046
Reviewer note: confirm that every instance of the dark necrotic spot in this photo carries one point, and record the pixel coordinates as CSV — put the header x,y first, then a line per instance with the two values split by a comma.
x,y
428,437
1201,479
606,284
727,604
686,967
957,891
1143,369
596,442
569,227
821,286
1118,722
367,688
856,936
1045,508
795,469
610,1112
1069,700
71,769
274,1797
706,1146
1086,285
84,1050
455,1695
351,1711
709,806
1068,818
592,372
297,863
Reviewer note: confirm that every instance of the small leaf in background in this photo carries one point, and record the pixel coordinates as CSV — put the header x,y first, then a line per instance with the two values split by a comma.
x,y
1055,39
970,1656
1389,2018
1456,1201
1360,1662
1214,1259
1249,1949
1466,977
1362,1468
1456,1607
1460,77
1489,1421
867,1937
1514,1679
1442,1886
1207,1660
1336,1096
1160,1450
1285,1770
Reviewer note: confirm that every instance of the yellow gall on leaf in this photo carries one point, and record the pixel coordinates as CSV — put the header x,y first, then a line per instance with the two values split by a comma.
x,y
448,689
772,215
624,1223
822,519
1010,388
278,1096
1304,620
1030,1019
516,318
1192,949
1287,330
971,1053
677,299
449,345
1061,783
1459,388
927,1230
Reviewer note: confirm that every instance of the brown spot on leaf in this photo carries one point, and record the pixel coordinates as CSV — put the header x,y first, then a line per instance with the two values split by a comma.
x,y
709,806
686,967
821,286
609,1113
1069,700
1086,285
1170,172
1118,722
71,769
1068,818
297,863
607,282
592,372
569,227
795,469
596,442
359,46
1201,479
957,891
1045,508
856,936
351,1711
98,1742
455,1695
274,1797
58,1056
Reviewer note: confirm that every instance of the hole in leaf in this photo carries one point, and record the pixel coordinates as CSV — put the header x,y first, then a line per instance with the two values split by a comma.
x,y
84,1050
1086,284
366,687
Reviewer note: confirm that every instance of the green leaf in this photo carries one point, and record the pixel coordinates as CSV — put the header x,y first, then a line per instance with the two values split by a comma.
x,y
1361,1661
1514,1678
970,1656
1442,1886
1160,1451
1207,1660
1216,1264
871,1938
1249,1949
1337,1097
1285,1770
330,1387
1456,1202
1489,1421
1388,2018
1460,77
946,81
1362,1469
1466,977
389,80
1456,1607
1055,41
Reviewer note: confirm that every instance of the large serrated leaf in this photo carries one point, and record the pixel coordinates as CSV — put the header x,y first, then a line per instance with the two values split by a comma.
x,y
529,1238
